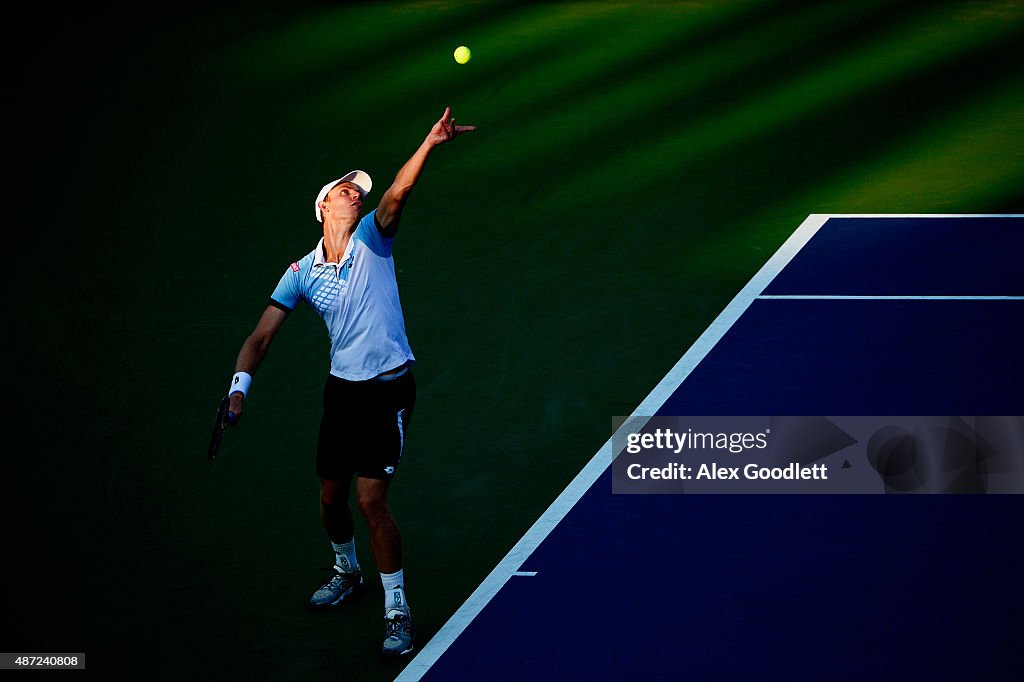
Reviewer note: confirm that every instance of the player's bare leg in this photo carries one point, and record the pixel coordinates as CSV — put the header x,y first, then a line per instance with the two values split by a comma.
x,y
334,510
385,538
346,577
386,542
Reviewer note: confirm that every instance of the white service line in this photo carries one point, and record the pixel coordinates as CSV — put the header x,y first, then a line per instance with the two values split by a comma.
x,y
922,215
508,566
528,574
828,297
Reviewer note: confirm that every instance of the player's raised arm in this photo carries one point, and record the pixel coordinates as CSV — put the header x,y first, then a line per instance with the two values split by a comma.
x,y
249,358
389,211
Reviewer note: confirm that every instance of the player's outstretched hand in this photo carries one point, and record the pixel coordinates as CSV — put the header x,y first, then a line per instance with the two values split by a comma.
x,y
445,129
235,401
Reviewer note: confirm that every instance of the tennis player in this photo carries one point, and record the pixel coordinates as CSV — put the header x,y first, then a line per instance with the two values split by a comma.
x,y
349,280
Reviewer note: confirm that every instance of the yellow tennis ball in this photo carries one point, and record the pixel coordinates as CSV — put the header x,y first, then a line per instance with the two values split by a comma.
x,y
462,54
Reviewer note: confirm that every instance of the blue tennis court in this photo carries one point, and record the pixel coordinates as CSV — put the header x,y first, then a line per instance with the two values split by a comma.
x,y
854,315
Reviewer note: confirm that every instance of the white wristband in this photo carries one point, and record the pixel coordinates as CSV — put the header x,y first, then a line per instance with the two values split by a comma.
x,y
240,383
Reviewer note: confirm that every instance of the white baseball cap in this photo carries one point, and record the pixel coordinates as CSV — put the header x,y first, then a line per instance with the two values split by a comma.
x,y
356,177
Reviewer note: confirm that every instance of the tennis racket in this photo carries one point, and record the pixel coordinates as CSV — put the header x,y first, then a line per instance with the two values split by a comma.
x,y
218,428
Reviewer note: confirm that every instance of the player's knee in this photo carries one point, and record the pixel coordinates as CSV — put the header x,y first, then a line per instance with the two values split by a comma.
x,y
331,494
373,507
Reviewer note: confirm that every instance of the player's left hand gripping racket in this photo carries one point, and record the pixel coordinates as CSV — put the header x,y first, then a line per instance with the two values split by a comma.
x,y
218,428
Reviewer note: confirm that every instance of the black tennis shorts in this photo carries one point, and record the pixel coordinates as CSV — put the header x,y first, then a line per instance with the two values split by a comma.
x,y
363,428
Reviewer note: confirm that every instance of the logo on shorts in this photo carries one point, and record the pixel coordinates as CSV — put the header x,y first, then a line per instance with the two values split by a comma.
x,y
389,470
294,267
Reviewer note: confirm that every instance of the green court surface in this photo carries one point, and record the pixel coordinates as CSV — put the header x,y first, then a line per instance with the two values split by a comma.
x,y
634,166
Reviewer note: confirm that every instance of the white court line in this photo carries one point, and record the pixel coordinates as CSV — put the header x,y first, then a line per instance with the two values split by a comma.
x,y
921,215
816,297
528,574
508,566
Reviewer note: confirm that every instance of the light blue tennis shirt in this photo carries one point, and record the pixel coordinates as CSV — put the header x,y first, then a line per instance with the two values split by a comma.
x,y
357,299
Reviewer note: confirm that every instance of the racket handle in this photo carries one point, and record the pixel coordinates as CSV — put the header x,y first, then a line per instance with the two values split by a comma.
x,y
231,417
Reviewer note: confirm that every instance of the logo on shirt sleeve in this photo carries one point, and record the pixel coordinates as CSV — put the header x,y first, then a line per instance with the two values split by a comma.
x,y
294,267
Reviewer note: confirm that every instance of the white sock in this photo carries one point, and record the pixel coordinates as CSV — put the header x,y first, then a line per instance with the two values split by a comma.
x,y
394,592
345,555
